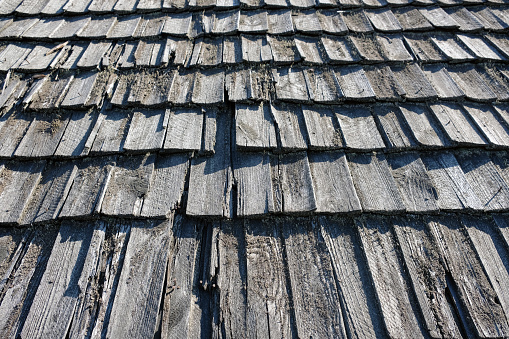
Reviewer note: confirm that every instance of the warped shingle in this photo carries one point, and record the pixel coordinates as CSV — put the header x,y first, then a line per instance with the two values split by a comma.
x,y
495,79
253,22
149,5
7,7
254,127
79,134
307,22
356,21
74,56
338,50
51,93
111,131
178,24
452,188
333,185
414,184
384,83
254,184
18,181
94,54
368,48
322,128
127,185
412,20
283,49
484,116
442,82
480,48
226,22
31,7
146,130
354,83
124,27
423,48
255,49
457,126
102,6
40,59
467,78
384,20
332,22
310,50
43,29
358,128
290,126
80,90
301,3
70,27
423,125
489,19
184,130
182,88
12,130
414,82
393,128
466,20
209,87
77,6
394,48
323,86
51,191
451,48
293,185
13,55
280,22
88,187
125,6
374,183
17,28
438,17
232,50
166,185
207,52
290,85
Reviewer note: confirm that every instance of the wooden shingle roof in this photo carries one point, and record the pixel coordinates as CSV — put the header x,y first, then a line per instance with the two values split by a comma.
x,y
254,168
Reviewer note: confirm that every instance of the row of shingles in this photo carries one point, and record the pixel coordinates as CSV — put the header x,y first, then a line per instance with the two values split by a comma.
x,y
74,7
277,22
288,128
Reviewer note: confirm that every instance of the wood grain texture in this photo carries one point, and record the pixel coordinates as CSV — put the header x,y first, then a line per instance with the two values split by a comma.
x,y
290,126
452,187
254,184
473,288
184,131
315,296
74,140
427,276
332,183
128,185
389,280
166,186
375,185
474,87
135,309
323,86
393,129
290,85
254,127
147,130
322,128
384,83
112,129
442,82
358,128
72,261
339,50
414,82
485,118
415,186
361,316
354,83
423,126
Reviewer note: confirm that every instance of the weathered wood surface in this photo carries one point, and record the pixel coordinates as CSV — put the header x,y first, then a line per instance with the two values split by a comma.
x,y
49,196
486,120
211,179
88,187
147,130
268,312
473,288
375,184
356,21
74,141
424,128
442,82
389,279
339,50
290,126
485,180
481,49
384,20
394,131
79,91
438,17
424,49
14,126
415,186
368,48
43,136
333,184
414,82
51,93
73,260
18,181
384,83
492,253
135,309
111,131
292,178
412,19
290,85
322,128
184,131
358,128
323,86
452,187
70,28
361,316
309,50
211,128
252,173
354,83
427,277
458,127
318,311
254,127
166,186
98,28
467,78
